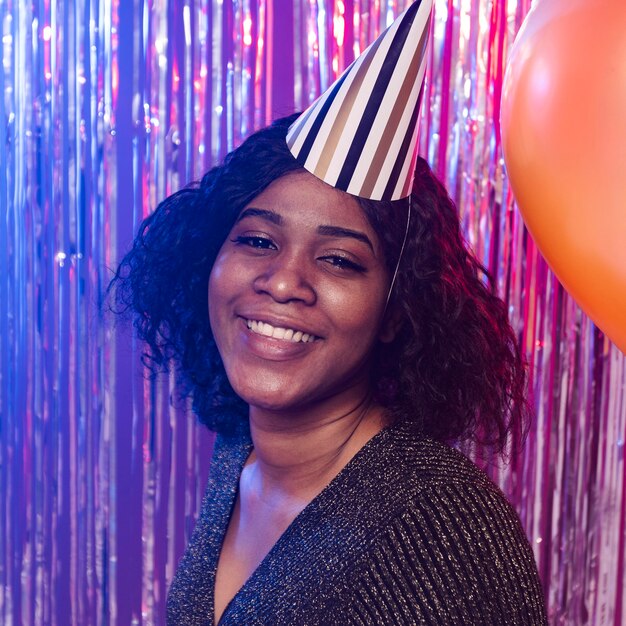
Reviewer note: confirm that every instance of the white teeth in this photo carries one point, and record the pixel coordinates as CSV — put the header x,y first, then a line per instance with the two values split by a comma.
x,y
287,334
279,333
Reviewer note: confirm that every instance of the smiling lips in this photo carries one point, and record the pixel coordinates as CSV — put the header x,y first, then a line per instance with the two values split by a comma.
x,y
277,332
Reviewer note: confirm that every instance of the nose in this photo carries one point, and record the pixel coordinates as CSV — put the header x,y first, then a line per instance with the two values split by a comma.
x,y
286,279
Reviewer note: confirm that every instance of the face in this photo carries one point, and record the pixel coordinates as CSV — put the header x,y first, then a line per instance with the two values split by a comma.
x,y
297,295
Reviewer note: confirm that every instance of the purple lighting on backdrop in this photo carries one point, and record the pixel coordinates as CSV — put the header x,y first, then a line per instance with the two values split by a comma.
x,y
107,107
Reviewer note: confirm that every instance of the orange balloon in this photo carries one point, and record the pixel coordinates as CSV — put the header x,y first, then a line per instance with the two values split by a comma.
x,y
563,125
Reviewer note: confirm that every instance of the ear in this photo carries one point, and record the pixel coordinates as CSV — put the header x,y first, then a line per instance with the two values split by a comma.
x,y
392,322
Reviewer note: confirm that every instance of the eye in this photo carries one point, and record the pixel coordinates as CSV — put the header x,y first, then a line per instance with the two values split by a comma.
x,y
343,263
255,241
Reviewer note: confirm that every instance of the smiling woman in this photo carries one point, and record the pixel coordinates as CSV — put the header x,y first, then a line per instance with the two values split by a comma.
x,y
297,295
338,343
334,393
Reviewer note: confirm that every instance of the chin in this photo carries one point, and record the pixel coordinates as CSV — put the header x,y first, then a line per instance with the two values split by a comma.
x,y
270,396
274,403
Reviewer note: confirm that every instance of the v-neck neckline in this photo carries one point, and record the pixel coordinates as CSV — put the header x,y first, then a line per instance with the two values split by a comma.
x,y
316,502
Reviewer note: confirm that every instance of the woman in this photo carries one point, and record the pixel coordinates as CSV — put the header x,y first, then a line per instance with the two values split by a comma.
x,y
341,353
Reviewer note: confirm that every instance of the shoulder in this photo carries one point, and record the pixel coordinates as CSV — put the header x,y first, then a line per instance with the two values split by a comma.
x,y
425,470
448,502
190,595
453,549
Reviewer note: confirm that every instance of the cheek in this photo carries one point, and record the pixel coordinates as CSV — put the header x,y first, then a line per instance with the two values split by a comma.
x,y
216,289
358,312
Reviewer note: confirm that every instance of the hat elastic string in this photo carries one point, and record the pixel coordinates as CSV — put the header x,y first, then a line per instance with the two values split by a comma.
x,y
395,272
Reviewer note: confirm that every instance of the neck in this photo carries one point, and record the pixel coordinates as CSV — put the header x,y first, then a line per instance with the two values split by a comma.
x,y
299,454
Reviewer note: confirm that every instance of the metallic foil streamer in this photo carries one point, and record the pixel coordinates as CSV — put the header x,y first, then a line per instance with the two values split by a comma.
x,y
107,106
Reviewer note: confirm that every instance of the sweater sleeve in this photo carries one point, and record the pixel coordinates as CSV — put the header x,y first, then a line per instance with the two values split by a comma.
x,y
456,555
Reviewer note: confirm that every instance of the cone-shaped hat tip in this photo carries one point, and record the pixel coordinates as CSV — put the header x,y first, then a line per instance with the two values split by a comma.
x,y
360,135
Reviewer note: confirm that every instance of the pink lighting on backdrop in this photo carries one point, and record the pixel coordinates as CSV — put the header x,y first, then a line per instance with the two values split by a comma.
x,y
107,108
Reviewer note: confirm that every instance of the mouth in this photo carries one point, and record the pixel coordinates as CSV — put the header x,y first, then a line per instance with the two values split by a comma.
x,y
278,332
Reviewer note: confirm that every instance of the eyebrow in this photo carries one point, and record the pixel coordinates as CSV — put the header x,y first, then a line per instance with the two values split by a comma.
x,y
326,230
338,231
270,216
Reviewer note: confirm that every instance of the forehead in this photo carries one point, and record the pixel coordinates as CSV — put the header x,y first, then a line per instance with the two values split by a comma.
x,y
302,199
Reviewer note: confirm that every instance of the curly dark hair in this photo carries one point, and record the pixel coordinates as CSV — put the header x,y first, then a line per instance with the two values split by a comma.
x,y
454,368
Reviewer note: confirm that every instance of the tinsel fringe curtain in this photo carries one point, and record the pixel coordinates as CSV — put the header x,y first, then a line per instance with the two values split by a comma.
x,y
109,105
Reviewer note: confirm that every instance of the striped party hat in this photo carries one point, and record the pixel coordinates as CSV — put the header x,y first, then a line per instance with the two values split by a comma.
x,y
360,135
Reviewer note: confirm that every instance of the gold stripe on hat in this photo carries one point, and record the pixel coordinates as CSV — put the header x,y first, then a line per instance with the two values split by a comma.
x,y
297,126
412,158
394,119
359,105
375,55
360,135
407,173
339,123
296,134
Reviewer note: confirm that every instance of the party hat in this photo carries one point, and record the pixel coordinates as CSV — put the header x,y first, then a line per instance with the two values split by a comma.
x,y
360,135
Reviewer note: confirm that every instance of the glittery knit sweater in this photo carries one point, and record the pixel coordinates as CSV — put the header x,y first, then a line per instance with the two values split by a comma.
x,y
409,532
